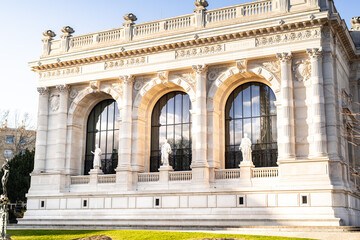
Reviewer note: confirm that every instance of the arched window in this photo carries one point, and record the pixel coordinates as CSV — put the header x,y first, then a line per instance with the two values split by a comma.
x,y
251,109
103,129
171,119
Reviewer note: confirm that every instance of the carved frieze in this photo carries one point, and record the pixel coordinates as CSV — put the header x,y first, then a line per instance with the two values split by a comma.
x,y
54,102
287,37
200,51
302,70
60,73
125,62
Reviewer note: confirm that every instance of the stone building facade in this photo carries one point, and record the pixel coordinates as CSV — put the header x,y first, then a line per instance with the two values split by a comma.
x,y
285,72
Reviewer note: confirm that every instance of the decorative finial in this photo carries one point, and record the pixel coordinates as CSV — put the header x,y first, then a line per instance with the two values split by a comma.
x,y
129,18
67,30
201,4
49,34
355,21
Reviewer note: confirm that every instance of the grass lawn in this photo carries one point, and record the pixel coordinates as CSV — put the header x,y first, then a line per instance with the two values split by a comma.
x,y
125,234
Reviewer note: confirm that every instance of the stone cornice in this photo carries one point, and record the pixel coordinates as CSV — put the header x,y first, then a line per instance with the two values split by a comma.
x,y
185,44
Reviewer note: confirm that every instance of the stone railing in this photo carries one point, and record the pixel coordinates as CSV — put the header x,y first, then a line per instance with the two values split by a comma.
x,y
148,177
227,174
80,180
142,30
107,178
270,172
180,176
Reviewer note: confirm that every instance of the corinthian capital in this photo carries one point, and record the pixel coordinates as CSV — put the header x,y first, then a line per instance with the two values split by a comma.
x,y
63,88
127,79
200,69
314,53
43,91
284,57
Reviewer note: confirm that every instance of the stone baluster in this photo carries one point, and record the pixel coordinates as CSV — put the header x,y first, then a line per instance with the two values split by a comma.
x,y
129,26
61,127
49,35
200,13
41,132
65,38
287,107
318,104
200,165
124,166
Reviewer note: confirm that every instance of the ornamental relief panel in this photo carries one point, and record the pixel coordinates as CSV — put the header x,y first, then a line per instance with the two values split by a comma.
x,y
302,70
273,67
287,37
215,72
199,51
125,62
54,102
60,73
189,77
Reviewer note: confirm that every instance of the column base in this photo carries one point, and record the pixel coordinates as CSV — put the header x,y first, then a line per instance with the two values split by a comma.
x,y
200,177
245,173
124,180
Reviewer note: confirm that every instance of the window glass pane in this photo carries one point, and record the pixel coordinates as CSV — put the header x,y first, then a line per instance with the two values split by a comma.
x,y
111,116
178,136
163,109
238,103
170,134
256,130
171,109
247,127
116,117
232,133
247,101
178,108
255,92
186,108
229,107
274,128
272,103
162,136
110,142
238,131
186,135
103,141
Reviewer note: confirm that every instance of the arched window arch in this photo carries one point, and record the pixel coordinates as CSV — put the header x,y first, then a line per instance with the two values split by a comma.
x,y
103,129
251,109
171,119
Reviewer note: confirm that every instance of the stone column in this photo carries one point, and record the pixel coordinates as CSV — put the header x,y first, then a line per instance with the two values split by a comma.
x,y
200,167
61,128
123,171
318,105
41,132
287,133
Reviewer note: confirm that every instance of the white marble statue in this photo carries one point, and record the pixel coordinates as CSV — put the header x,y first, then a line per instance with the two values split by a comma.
x,y
245,148
97,157
165,151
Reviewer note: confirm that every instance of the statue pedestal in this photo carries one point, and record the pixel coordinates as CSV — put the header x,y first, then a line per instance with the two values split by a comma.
x,y
245,172
94,175
164,173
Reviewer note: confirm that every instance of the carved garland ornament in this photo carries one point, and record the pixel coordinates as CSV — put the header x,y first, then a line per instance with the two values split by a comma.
x,y
200,51
287,37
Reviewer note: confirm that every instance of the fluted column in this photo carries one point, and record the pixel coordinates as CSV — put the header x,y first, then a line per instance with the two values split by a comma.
x,y
124,166
41,132
287,133
318,105
199,164
61,127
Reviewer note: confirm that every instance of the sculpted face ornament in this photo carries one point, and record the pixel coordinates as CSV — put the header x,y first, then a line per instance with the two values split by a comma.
x,y
302,70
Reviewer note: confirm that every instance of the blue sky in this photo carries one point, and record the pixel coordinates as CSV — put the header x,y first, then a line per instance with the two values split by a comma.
x,y
23,21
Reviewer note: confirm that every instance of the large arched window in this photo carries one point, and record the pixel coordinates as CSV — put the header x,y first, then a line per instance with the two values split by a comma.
x,y
251,109
103,129
171,120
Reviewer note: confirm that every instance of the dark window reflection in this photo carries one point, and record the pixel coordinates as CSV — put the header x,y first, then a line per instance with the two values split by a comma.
x,y
103,129
251,109
171,119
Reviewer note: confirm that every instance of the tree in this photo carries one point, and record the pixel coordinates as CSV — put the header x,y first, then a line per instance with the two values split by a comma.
x,y
19,178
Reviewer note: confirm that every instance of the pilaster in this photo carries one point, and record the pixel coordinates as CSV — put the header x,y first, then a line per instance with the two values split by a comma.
x,y
200,167
61,127
123,171
41,132
287,131
318,105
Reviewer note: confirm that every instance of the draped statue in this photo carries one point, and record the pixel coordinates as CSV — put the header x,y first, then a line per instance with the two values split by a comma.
x,y
165,151
97,157
245,148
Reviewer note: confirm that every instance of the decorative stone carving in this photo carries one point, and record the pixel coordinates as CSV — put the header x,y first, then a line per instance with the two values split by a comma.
x,y
165,151
95,85
125,62
274,67
201,5
214,73
287,37
314,53
118,87
163,76
199,69
73,93
43,90
188,77
129,18
241,65
49,34
284,57
138,85
97,157
355,21
54,102
63,88
67,30
60,73
199,51
302,70
245,148
127,79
